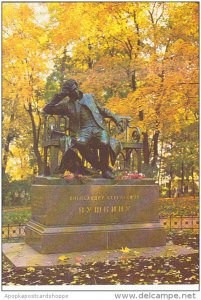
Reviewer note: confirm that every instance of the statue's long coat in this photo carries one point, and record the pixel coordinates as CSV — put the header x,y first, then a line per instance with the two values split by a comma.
x,y
72,110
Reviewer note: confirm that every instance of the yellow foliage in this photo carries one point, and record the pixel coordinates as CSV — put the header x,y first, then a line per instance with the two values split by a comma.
x,y
134,56
125,250
63,257
31,269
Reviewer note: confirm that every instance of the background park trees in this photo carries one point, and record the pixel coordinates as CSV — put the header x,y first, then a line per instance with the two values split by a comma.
x,y
140,59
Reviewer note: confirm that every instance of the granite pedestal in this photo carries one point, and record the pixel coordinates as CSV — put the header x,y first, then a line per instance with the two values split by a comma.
x,y
95,215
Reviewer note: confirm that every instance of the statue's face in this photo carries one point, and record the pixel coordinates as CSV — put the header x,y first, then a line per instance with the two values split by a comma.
x,y
74,94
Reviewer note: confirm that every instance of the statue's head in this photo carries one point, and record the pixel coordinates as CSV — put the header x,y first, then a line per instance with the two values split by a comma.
x,y
71,87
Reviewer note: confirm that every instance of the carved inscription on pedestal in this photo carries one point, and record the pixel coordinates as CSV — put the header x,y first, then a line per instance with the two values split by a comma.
x,y
85,204
104,209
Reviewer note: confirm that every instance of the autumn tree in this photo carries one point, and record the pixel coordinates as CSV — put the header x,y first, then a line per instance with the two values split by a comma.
x,y
24,66
138,58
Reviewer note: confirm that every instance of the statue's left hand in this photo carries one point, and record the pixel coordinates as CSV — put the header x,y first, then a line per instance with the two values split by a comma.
x,y
120,122
120,126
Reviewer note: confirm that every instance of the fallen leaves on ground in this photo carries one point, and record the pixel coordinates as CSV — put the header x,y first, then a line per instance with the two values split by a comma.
x,y
63,258
31,269
183,269
125,250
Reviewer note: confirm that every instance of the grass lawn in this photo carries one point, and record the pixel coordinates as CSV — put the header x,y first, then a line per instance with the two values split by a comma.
x,y
179,206
16,215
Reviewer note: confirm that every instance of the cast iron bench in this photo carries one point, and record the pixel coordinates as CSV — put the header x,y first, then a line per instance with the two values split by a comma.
x,y
57,132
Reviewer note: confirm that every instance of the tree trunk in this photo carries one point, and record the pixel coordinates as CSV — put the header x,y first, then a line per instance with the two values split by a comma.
x,y
182,178
146,151
160,164
63,66
133,82
155,154
186,185
193,182
35,132
90,63
10,136
90,60
170,183
137,29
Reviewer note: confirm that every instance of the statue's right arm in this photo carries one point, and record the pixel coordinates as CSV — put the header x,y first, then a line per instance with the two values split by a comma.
x,y
52,108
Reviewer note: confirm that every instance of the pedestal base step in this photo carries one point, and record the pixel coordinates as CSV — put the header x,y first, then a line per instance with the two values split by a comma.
x,y
22,255
94,237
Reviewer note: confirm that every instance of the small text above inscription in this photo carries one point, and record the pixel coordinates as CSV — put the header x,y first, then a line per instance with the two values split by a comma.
x,y
103,197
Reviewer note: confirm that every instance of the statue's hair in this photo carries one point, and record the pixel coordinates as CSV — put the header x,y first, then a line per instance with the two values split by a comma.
x,y
70,83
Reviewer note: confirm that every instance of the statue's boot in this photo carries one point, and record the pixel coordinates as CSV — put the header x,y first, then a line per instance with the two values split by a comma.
x,y
89,171
104,162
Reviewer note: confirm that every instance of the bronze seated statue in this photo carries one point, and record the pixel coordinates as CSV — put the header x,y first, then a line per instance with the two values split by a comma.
x,y
88,132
